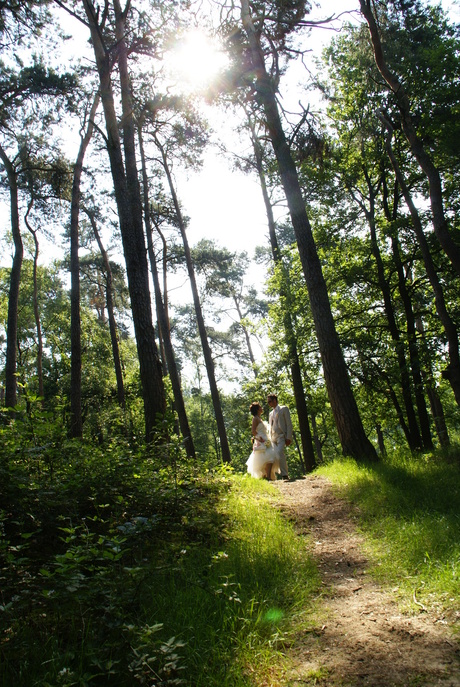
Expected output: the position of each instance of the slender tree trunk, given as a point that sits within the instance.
(413, 348)
(415, 440)
(381, 442)
(110, 312)
(348, 421)
(440, 224)
(399, 411)
(291, 339)
(246, 335)
(165, 299)
(161, 345)
(163, 319)
(299, 452)
(437, 409)
(316, 439)
(417, 375)
(76, 422)
(38, 325)
(209, 363)
(15, 280)
(127, 194)
(452, 372)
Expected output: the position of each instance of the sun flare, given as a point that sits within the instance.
(196, 60)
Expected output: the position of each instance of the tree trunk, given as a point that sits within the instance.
(163, 320)
(319, 448)
(398, 409)
(413, 349)
(246, 335)
(38, 326)
(291, 339)
(110, 312)
(127, 194)
(417, 374)
(347, 419)
(165, 299)
(415, 440)
(440, 224)
(76, 422)
(380, 440)
(452, 373)
(437, 409)
(15, 279)
(209, 363)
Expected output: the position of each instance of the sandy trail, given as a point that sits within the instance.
(364, 639)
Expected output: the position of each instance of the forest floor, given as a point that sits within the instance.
(364, 637)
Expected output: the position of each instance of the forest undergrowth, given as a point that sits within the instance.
(122, 567)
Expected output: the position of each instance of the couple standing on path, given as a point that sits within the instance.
(268, 456)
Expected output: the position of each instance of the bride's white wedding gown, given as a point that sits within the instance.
(262, 454)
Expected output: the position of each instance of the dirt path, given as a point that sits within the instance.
(365, 639)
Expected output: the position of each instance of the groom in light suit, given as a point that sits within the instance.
(280, 425)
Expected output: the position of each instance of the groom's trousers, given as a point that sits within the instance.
(280, 446)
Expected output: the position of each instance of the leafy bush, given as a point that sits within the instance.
(134, 566)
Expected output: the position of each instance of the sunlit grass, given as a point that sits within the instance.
(235, 606)
(409, 511)
(191, 575)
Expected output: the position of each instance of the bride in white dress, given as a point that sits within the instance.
(263, 461)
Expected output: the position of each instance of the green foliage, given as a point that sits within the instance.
(102, 417)
(202, 423)
(31, 83)
(409, 512)
(54, 309)
(123, 567)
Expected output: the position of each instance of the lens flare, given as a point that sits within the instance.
(196, 60)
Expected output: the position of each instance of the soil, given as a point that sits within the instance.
(365, 637)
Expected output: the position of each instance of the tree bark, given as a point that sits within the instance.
(452, 372)
(413, 349)
(291, 339)
(440, 224)
(76, 422)
(110, 312)
(437, 409)
(316, 439)
(162, 318)
(15, 279)
(38, 326)
(415, 440)
(246, 335)
(209, 363)
(165, 299)
(127, 194)
(353, 439)
(381, 442)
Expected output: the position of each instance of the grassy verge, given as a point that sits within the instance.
(234, 604)
(117, 570)
(409, 511)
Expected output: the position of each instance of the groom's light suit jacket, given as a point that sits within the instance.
(282, 425)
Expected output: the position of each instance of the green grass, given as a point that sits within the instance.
(409, 512)
(121, 569)
(233, 605)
